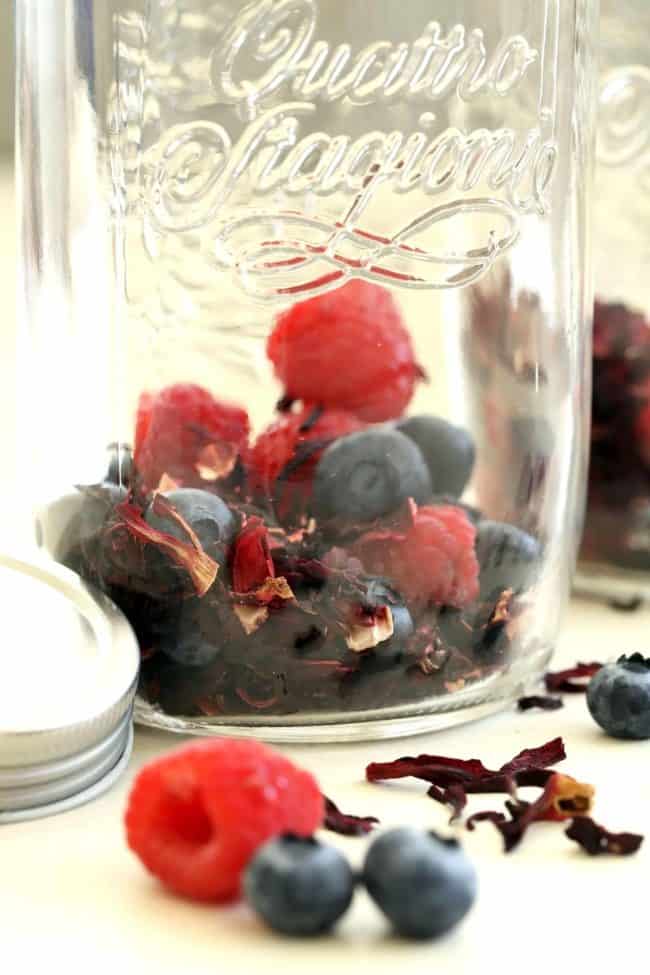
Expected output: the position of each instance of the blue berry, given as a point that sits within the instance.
(189, 646)
(378, 593)
(369, 474)
(298, 885)
(448, 451)
(424, 884)
(618, 697)
(206, 514)
(509, 558)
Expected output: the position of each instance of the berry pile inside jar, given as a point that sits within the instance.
(617, 528)
(326, 564)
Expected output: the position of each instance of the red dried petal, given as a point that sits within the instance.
(453, 779)
(487, 816)
(595, 839)
(274, 589)
(189, 555)
(562, 798)
(562, 680)
(549, 754)
(430, 768)
(345, 824)
(541, 701)
(252, 564)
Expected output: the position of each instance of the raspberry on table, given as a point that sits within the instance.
(432, 560)
(283, 459)
(187, 434)
(196, 816)
(348, 349)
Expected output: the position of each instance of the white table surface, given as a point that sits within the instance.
(72, 896)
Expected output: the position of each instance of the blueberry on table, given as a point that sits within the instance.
(369, 474)
(424, 884)
(448, 451)
(208, 516)
(509, 558)
(618, 697)
(298, 885)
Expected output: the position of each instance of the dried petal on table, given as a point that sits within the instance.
(596, 840)
(574, 680)
(346, 824)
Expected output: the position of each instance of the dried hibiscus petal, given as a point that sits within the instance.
(574, 680)
(562, 798)
(272, 590)
(595, 839)
(541, 757)
(252, 564)
(542, 701)
(346, 824)
(189, 555)
(453, 779)
(487, 816)
(366, 630)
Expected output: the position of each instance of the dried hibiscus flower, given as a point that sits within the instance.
(346, 824)
(251, 558)
(453, 779)
(541, 701)
(572, 681)
(189, 555)
(595, 839)
(562, 798)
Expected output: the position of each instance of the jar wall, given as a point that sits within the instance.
(615, 557)
(258, 240)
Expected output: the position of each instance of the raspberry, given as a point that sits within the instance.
(431, 561)
(196, 816)
(347, 349)
(184, 432)
(284, 457)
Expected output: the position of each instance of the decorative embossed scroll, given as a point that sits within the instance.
(251, 175)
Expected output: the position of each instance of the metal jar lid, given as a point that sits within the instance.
(68, 675)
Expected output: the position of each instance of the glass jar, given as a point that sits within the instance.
(615, 556)
(305, 286)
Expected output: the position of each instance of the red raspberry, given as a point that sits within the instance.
(431, 561)
(184, 432)
(290, 448)
(195, 817)
(348, 349)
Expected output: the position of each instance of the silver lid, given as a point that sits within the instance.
(68, 674)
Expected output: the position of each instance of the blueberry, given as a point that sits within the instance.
(378, 593)
(369, 474)
(448, 451)
(120, 465)
(618, 697)
(298, 885)
(508, 557)
(207, 515)
(424, 884)
(189, 646)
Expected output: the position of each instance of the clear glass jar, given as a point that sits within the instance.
(615, 555)
(308, 324)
